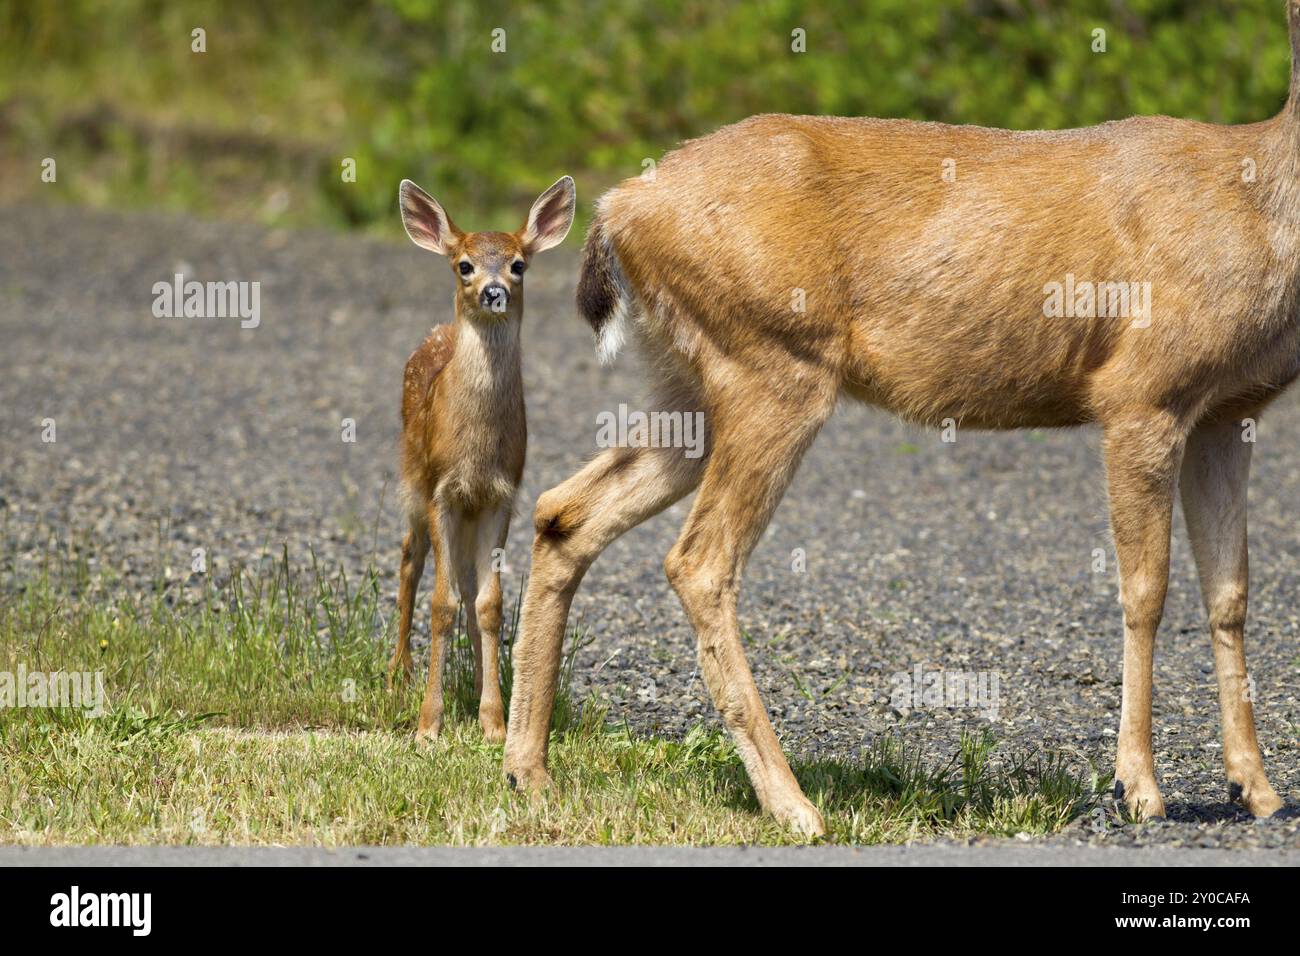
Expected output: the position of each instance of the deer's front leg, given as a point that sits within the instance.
(1143, 453)
(1215, 474)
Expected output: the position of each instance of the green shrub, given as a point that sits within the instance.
(413, 87)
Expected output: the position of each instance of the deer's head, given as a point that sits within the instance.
(488, 266)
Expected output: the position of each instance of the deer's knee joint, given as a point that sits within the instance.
(677, 568)
(487, 610)
(554, 519)
(1141, 617)
(1227, 610)
(557, 564)
(1143, 600)
(699, 587)
(413, 550)
(443, 614)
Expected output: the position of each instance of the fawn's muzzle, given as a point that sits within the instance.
(494, 297)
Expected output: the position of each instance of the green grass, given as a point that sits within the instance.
(254, 712)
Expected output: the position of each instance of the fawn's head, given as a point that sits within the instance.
(488, 266)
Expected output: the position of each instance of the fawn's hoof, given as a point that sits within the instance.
(494, 731)
(492, 718)
(428, 730)
(400, 672)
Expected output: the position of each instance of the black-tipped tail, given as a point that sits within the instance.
(602, 291)
(598, 289)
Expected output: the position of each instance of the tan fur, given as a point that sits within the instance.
(925, 295)
(464, 436)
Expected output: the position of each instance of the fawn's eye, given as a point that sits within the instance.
(466, 267)
(517, 267)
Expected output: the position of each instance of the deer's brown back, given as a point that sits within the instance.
(914, 259)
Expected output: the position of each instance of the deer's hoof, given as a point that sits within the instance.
(1256, 796)
(529, 779)
(1141, 797)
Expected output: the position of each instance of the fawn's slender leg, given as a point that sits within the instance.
(575, 521)
(492, 530)
(1142, 460)
(478, 584)
(755, 454)
(463, 544)
(441, 622)
(414, 548)
(1215, 475)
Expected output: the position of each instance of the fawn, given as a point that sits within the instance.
(773, 266)
(464, 436)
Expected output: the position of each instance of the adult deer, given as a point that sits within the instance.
(930, 261)
(463, 438)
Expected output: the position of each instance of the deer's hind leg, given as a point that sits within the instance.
(414, 549)
(574, 522)
(1215, 474)
(441, 622)
(758, 441)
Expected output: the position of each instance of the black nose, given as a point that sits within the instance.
(495, 297)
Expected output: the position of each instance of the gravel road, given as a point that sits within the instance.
(974, 556)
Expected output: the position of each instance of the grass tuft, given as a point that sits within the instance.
(254, 711)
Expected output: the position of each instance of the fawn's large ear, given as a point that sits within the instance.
(551, 216)
(426, 222)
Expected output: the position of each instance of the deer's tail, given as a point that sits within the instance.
(605, 298)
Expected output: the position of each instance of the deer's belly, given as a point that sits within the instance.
(993, 379)
(470, 489)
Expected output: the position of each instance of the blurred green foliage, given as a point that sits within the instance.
(258, 125)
